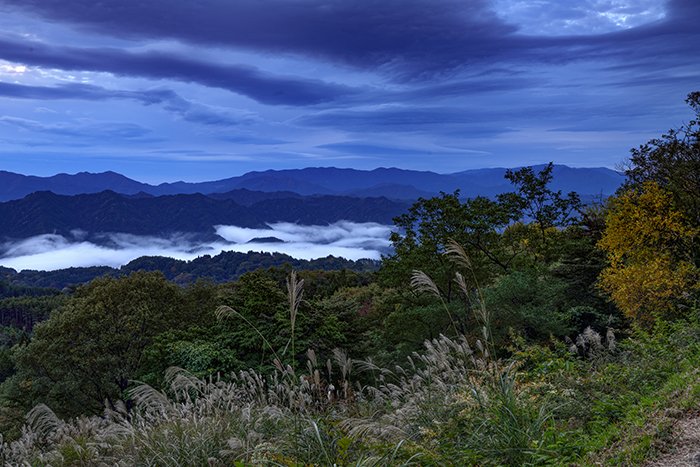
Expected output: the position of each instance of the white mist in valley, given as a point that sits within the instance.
(50, 252)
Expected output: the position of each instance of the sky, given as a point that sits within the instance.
(209, 89)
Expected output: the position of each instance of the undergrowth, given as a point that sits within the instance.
(460, 401)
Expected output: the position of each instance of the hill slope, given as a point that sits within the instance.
(45, 212)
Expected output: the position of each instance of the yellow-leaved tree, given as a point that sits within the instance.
(649, 243)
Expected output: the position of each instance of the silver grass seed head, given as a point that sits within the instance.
(421, 282)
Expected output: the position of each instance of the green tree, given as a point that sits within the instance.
(261, 319)
(420, 238)
(423, 233)
(492, 232)
(534, 199)
(90, 348)
(203, 350)
(531, 304)
(672, 162)
(651, 236)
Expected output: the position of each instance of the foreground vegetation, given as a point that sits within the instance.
(451, 405)
(522, 330)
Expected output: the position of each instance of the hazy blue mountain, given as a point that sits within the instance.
(406, 184)
(319, 210)
(258, 182)
(345, 180)
(391, 191)
(16, 186)
(585, 181)
(249, 197)
(589, 181)
(389, 182)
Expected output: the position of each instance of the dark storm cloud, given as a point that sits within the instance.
(405, 119)
(660, 81)
(33, 142)
(363, 148)
(67, 91)
(361, 32)
(475, 121)
(476, 85)
(93, 131)
(254, 140)
(248, 81)
(170, 100)
(476, 74)
(409, 39)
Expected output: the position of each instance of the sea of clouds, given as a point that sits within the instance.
(49, 252)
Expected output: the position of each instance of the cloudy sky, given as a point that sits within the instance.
(208, 89)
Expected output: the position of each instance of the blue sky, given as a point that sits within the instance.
(206, 89)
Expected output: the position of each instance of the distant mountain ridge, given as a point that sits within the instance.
(16, 186)
(109, 212)
(392, 183)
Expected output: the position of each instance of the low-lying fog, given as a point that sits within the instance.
(345, 239)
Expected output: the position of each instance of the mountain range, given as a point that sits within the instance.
(46, 212)
(392, 183)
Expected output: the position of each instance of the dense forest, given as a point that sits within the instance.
(224, 267)
(523, 329)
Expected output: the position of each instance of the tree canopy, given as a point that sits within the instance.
(652, 227)
(92, 346)
(672, 161)
(495, 233)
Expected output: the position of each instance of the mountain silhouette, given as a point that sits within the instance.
(391, 183)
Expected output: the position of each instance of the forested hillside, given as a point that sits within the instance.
(522, 329)
(224, 267)
(45, 212)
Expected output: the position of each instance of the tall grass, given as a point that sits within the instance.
(507, 425)
(280, 419)
(295, 292)
(452, 403)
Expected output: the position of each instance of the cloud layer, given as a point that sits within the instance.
(343, 239)
(252, 85)
(242, 79)
(405, 37)
(168, 99)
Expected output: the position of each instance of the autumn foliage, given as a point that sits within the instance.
(650, 249)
